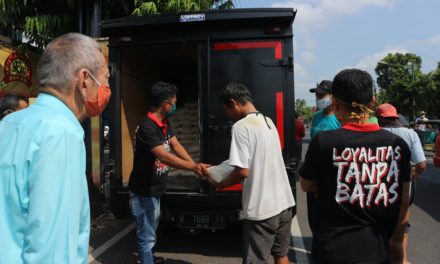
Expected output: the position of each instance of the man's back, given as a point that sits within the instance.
(360, 171)
(256, 146)
(412, 139)
(43, 188)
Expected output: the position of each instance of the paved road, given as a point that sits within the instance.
(114, 241)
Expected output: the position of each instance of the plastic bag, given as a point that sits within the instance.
(220, 172)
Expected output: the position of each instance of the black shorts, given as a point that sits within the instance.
(264, 238)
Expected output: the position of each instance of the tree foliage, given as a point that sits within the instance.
(434, 97)
(145, 7)
(39, 20)
(403, 84)
(303, 110)
(43, 20)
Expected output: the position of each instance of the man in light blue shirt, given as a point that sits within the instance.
(44, 203)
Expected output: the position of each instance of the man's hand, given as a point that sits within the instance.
(212, 182)
(201, 169)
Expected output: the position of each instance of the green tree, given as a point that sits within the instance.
(39, 20)
(403, 84)
(43, 20)
(145, 7)
(434, 97)
(303, 110)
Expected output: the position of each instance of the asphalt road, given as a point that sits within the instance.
(114, 241)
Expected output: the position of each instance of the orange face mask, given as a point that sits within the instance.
(95, 107)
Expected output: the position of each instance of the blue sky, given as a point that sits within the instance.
(331, 35)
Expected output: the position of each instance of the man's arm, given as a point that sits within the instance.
(308, 185)
(172, 160)
(419, 168)
(179, 149)
(396, 241)
(236, 176)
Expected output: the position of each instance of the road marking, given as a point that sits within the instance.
(298, 243)
(95, 253)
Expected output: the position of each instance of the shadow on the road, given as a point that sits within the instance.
(427, 195)
(222, 243)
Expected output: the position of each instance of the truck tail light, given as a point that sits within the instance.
(235, 187)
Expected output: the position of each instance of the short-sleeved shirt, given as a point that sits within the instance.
(149, 174)
(44, 200)
(360, 171)
(322, 122)
(412, 139)
(256, 146)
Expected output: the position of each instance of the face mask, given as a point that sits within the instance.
(323, 103)
(170, 113)
(95, 107)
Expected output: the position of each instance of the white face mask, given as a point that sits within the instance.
(323, 103)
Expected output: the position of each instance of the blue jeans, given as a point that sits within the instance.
(146, 211)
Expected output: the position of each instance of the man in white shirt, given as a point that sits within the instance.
(258, 164)
(421, 118)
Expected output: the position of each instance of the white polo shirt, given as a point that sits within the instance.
(255, 146)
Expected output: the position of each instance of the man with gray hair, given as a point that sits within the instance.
(44, 203)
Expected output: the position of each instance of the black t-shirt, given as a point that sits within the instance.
(360, 170)
(149, 174)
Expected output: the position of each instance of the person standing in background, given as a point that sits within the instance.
(389, 120)
(300, 133)
(11, 103)
(324, 119)
(44, 200)
(360, 174)
(421, 118)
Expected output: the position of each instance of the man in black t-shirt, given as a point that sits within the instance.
(152, 157)
(360, 175)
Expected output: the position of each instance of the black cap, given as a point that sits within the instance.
(325, 87)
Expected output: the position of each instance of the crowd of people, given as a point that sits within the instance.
(357, 171)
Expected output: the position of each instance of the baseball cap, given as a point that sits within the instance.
(386, 110)
(324, 87)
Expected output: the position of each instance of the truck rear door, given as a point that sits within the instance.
(265, 67)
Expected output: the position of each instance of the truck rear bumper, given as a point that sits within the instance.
(201, 211)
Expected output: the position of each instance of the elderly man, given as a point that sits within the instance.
(44, 203)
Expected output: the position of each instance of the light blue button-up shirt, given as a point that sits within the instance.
(44, 202)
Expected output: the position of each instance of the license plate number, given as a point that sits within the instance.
(202, 221)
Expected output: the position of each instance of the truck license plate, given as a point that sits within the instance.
(201, 221)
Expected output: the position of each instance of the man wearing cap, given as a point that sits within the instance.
(389, 120)
(422, 117)
(324, 119)
(360, 174)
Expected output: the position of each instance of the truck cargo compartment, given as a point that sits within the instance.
(176, 64)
